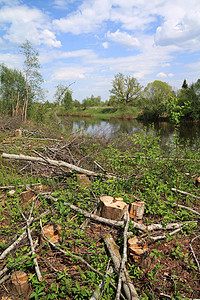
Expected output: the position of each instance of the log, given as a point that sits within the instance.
(127, 285)
(56, 163)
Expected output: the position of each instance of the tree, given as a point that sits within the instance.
(12, 90)
(32, 75)
(126, 90)
(156, 95)
(184, 85)
(63, 96)
(188, 98)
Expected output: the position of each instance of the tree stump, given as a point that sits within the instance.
(112, 208)
(83, 180)
(137, 210)
(138, 248)
(197, 183)
(18, 133)
(19, 283)
(52, 233)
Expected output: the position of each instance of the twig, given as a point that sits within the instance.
(37, 269)
(124, 259)
(160, 237)
(185, 193)
(184, 207)
(7, 187)
(193, 251)
(11, 247)
(54, 163)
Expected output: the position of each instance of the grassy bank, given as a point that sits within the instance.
(102, 112)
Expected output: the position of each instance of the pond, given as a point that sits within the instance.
(188, 131)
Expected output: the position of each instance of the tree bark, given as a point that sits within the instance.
(59, 163)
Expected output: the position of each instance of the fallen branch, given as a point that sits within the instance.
(161, 237)
(184, 207)
(124, 259)
(11, 247)
(194, 253)
(56, 163)
(128, 287)
(185, 193)
(37, 269)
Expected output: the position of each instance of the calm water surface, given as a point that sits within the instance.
(188, 131)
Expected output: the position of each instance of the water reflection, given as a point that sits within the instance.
(111, 128)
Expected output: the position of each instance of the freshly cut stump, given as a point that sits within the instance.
(138, 248)
(112, 208)
(19, 283)
(137, 210)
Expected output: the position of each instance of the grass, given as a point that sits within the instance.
(143, 169)
(103, 112)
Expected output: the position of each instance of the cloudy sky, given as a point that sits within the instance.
(89, 41)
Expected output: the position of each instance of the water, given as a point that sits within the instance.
(188, 131)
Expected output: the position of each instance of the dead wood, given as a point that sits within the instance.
(184, 207)
(185, 193)
(195, 258)
(161, 237)
(124, 259)
(128, 287)
(54, 163)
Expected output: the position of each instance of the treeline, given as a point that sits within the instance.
(21, 94)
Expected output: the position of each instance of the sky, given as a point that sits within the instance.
(87, 42)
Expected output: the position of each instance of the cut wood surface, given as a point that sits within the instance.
(111, 208)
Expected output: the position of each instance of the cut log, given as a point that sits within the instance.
(137, 210)
(138, 248)
(111, 208)
(20, 285)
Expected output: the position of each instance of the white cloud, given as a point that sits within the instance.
(69, 73)
(123, 38)
(24, 23)
(105, 45)
(162, 75)
(170, 75)
(87, 19)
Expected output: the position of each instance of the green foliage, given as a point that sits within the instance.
(126, 90)
(156, 95)
(12, 90)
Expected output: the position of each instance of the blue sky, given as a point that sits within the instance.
(88, 42)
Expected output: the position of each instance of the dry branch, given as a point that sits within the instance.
(56, 163)
(184, 207)
(185, 193)
(198, 265)
(124, 259)
(128, 287)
